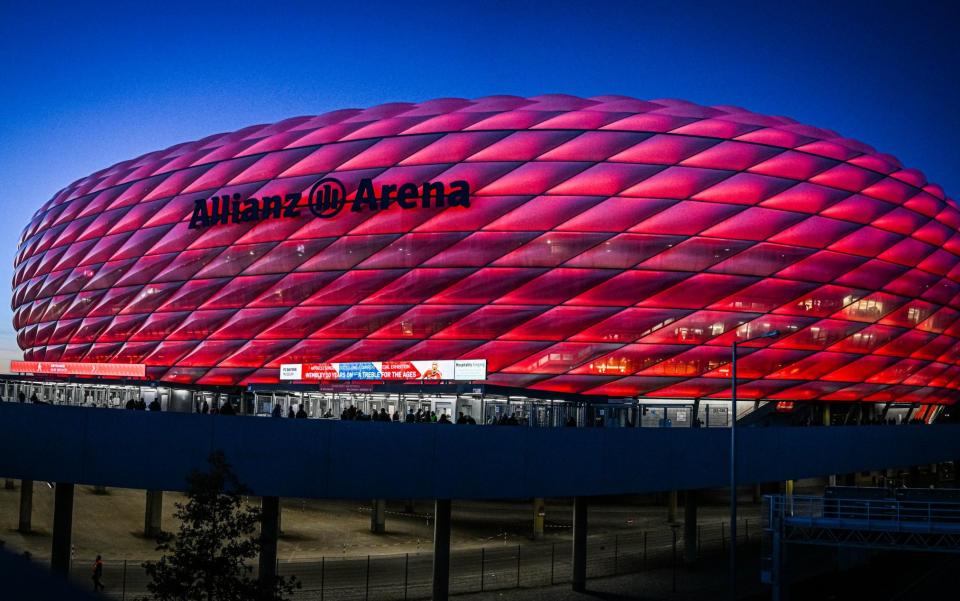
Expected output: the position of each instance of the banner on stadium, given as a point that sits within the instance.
(427, 371)
(58, 368)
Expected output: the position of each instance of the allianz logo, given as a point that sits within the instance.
(327, 199)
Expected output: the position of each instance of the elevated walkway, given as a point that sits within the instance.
(920, 520)
(333, 459)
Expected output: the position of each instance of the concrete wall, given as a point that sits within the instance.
(323, 458)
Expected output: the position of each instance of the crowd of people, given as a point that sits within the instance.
(422, 416)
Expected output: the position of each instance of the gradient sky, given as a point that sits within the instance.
(86, 85)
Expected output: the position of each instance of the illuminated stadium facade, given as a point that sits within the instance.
(607, 247)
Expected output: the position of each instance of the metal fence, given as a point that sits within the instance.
(408, 576)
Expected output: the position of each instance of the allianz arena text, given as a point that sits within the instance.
(603, 246)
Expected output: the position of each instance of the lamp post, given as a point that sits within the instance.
(733, 458)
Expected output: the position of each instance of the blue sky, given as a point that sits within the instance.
(90, 84)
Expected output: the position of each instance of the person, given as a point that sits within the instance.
(154, 405)
(383, 415)
(277, 410)
(205, 407)
(571, 422)
(98, 574)
(301, 414)
(290, 413)
(443, 419)
(433, 373)
(22, 397)
(460, 418)
(142, 405)
(131, 404)
(433, 417)
(396, 416)
(411, 418)
(228, 409)
(34, 398)
(471, 421)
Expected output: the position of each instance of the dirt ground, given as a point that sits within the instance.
(111, 524)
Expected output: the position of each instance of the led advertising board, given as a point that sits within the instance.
(126, 370)
(427, 371)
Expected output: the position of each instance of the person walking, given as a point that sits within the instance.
(98, 574)
(131, 404)
(154, 405)
(142, 405)
(301, 414)
(290, 413)
(277, 410)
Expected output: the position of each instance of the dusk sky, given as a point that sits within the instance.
(89, 84)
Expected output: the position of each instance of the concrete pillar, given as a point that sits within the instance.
(690, 541)
(62, 528)
(408, 506)
(269, 532)
(26, 506)
(153, 514)
(8, 483)
(832, 478)
(672, 507)
(539, 515)
(579, 544)
(378, 516)
(441, 550)
(788, 488)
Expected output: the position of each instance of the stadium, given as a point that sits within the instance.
(547, 257)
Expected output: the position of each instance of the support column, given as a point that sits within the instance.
(153, 514)
(26, 506)
(579, 544)
(378, 516)
(62, 528)
(832, 478)
(441, 550)
(269, 532)
(8, 483)
(672, 507)
(539, 515)
(408, 506)
(690, 542)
